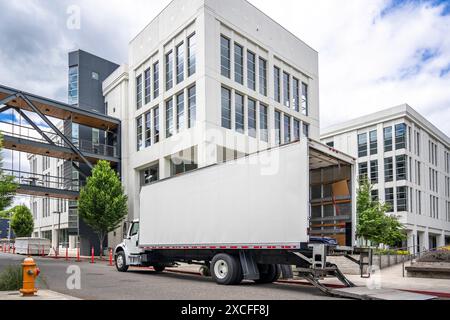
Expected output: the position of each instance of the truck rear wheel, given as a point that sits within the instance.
(226, 269)
(159, 268)
(121, 262)
(268, 273)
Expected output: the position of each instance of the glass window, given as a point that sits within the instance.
(263, 123)
(156, 80)
(150, 175)
(400, 136)
(373, 142)
(192, 105)
(180, 111)
(147, 81)
(305, 130)
(180, 62)
(296, 94)
(169, 118)
(287, 129)
(374, 171)
(388, 139)
(156, 124)
(389, 198)
(262, 76)
(73, 85)
(363, 171)
(251, 70)
(296, 130)
(362, 145)
(226, 108)
(95, 136)
(192, 60)
(169, 70)
(252, 118)
(148, 129)
(277, 92)
(139, 91)
(239, 116)
(401, 166)
(139, 133)
(375, 195)
(238, 63)
(225, 57)
(402, 199)
(330, 144)
(388, 169)
(286, 89)
(76, 134)
(277, 127)
(305, 99)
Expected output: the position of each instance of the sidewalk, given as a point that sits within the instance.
(41, 295)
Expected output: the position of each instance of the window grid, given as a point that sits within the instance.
(251, 70)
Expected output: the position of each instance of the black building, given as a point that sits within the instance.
(86, 75)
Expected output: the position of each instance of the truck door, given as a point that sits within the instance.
(133, 238)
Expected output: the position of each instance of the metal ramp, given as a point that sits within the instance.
(364, 293)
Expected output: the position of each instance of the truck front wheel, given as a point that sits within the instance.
(226, 269)
(121, 263)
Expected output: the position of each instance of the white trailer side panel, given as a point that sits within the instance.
(259, 200)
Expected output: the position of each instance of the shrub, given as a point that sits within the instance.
(11, 279)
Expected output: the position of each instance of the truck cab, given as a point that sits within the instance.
(128, 253)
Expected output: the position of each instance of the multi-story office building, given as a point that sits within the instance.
(86, 75)
(407, 160)
(207, 81)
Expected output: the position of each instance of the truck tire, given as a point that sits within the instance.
(121, 264)
(268, 273)
(226, 269)
(159, 268)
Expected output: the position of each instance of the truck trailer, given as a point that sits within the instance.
(252, 218)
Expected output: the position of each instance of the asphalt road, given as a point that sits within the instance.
(102, 282)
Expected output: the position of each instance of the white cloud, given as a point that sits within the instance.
(363, 55)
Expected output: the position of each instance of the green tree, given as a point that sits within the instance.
(8, 187)
(373, 222)
(5, 214)
(22, 221)
(103, 204)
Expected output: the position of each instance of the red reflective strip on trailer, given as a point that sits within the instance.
(219, 247)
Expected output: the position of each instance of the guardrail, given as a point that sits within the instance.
(44, 181)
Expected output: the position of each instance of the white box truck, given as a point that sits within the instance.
(249, 218)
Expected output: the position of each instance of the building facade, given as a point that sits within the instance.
(52, 216)
(209, 81)
(407, 160)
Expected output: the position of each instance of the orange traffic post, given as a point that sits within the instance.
(110, 257)
(67, 253)
(92, 255)
(14, 249)
(78, 255)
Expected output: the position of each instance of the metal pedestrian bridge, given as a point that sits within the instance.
(41, 136)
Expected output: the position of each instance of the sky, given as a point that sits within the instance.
(372, 54)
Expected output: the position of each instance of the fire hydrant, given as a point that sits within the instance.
(30, 272)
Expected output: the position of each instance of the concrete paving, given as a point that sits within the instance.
(40, 295)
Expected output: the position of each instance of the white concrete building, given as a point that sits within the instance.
(206, 81)
(407, 160)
